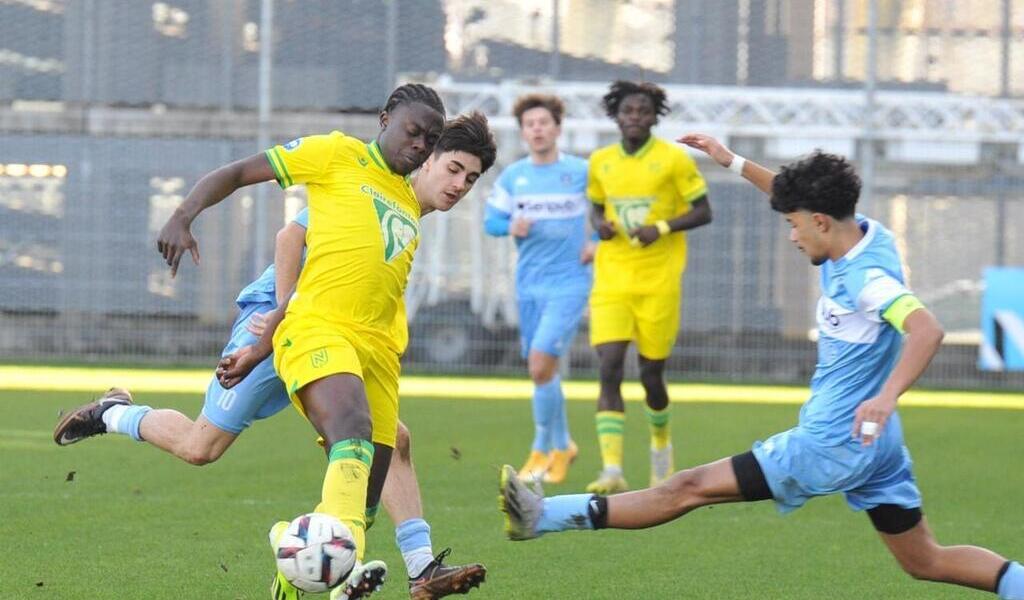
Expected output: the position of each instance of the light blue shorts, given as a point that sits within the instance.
(549, 324)
(798, 467)
(260, 395)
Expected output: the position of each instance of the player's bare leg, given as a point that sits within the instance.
(652, 377)
(197, 442)
(429, 577)
(528, 514)
(922, 557)
(337, 407)
(610, 418)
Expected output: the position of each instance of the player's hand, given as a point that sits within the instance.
(605, 230)
(175, 239)
(257, 324)
(588, 252)
(233, 368)
(520, 227)
(645, 235)
(708, 145)
(870, 418)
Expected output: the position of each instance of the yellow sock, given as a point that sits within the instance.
(610, 426)
(344, 493)
(661, 435)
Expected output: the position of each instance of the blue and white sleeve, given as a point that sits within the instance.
(302, 219)
(879, 291)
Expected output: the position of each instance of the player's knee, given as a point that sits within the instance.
(201, 455)
(540, 373)
(611, 371)
(652, 373)
(685, 490)
(403, 443)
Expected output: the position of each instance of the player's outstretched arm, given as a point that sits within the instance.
(752, 172)
(175, 238)
(924, 336)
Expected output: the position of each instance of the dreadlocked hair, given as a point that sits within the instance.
(620, 89)
(414, 92)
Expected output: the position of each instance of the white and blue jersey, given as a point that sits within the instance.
(857, 350)
(552, 284)
(553, 198)
(261, 394)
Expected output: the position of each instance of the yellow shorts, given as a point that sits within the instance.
(652, 321)
(303, 355)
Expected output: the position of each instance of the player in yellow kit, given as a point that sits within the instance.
(646, 193)
(337, 348)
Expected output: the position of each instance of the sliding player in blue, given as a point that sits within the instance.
(541, 201)
(875, 340)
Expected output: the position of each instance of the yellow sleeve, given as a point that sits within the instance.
(303, 160)
(900, 309)
(688, 180)
(595, 191)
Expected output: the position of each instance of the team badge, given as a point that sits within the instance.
(292, 144)
(397, 228)
(632, 212)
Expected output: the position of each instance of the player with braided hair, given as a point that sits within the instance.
(646, 193)
(414, 92)
(337, 346)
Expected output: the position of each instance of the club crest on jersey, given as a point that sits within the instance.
(396, 226)
(632, 211)
(292, 144)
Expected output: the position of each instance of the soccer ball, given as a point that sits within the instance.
(316, 552)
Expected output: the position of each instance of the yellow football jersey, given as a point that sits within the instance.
(657, 182)
(362, 235)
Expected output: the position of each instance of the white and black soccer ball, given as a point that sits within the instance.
(316, 552)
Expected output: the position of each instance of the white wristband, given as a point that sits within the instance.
(736, 166)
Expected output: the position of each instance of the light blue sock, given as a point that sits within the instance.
(562, 513)
(125, 419)
(1011, 584)
(413, 539)
(545, 399)
(560, 424)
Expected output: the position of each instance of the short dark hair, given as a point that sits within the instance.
(414, 92)
(530, 101)
(469, 133)
(821, 183)
(620, 89)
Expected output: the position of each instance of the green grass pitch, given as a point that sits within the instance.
(135, 523)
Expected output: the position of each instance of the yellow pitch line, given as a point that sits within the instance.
(90, 380)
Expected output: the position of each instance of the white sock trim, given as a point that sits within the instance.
(417, 560)
(113, 416)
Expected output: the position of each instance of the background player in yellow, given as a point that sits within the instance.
(646, 193)
(338, 349)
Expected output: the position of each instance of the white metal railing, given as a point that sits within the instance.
(775, 112)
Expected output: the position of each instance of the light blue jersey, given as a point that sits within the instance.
(261, 394)
(264, 289)
(553, 198)
(857, 350)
